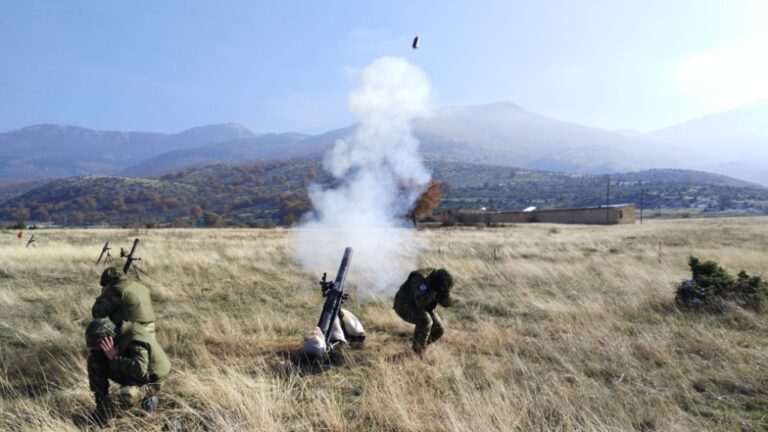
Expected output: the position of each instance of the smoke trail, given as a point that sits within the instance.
(381, 176)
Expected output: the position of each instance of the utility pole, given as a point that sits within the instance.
(642, 202)
(607, 199)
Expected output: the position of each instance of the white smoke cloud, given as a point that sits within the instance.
(381, 175)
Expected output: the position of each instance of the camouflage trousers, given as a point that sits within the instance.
(429, 326)
(130, 392)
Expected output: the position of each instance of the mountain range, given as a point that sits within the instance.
(45, 151)
(731, 143)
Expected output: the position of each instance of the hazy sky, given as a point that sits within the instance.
(279, 66)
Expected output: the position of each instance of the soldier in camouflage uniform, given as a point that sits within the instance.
(416, 300)
(128, 355)
(124, 299)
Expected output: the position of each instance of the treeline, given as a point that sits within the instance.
(269, 194)
(221, 195)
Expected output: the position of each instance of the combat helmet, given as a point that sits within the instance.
(440, 280)
(109, 276)
(97, 330)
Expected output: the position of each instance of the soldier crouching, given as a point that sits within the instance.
(416, 300)
(128, 355)
(124, 299)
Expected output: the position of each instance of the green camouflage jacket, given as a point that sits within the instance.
(139, 356)
(416, 291)
(127, 300)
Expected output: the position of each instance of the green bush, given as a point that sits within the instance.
(712, 288)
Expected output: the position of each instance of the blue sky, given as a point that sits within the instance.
(288, 66)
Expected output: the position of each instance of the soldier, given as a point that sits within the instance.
(124, 299)
(128, 355)
(416, 300)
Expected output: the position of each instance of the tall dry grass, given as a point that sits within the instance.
(560, 328)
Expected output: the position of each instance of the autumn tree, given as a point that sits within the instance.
(211, 219)
(427, 201)
(77, 218)
(180, 222)
(118, 203)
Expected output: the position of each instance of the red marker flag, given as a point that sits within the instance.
(20, 234)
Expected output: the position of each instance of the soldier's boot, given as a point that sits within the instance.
(418, 349)
(421, 333)
(149, 404)
(104, 411)
(437, 329)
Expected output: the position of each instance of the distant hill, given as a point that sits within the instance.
(505, 134)
(683, 176)
(590, 160)
(504, 188)
(10, 190)
(45, 151)
(262, 148)
(733, 143)
(264, 194)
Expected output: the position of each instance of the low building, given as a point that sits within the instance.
(614, 214)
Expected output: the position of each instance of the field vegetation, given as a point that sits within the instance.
(560, 327)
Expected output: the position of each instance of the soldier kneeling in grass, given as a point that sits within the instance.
(416, 300)
(128, 355)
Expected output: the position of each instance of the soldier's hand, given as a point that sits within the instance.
(108, 347)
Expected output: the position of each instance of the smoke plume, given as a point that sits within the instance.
(380, 174)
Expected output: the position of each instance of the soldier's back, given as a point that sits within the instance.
(136, 304)
(405, 298)
(131, 332)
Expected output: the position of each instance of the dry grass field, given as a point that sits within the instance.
(560, 328)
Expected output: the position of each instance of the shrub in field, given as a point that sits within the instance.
(712, 287)
(753, 289)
